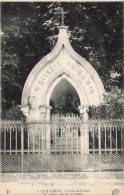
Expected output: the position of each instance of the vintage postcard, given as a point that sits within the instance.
(62, 127)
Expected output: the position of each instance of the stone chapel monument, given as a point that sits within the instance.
(62, 82)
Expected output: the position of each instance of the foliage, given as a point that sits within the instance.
(29, 32)
(14, 113)
(96, 34)
(113, 108)
(9, 78)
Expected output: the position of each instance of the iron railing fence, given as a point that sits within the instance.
(59, 145)
(102, 137)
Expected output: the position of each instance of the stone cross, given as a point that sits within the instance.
(62, 12)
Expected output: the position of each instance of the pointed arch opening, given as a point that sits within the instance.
(64, 99)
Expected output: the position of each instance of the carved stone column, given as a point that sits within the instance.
(45, 116)
(34, 109)
(48, 138)
(84, 139)
(48, 129)
(84, 129)
(48, 108)
(45, 112)
(42, 112)
(83, 109)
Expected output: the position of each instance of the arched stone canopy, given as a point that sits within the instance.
(59, 97)
(63, 63)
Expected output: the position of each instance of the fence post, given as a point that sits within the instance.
(82, 138)
(99, 135)
(111, 128)
(47, 137)
(4, 129)
(22, 146)
(10, 143)
(122, 138)
(86, 137)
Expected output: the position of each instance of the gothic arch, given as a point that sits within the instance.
(83, 98)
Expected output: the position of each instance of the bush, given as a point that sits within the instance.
(13, 113)
(112, 109)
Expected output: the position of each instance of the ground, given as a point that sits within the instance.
(63, 184)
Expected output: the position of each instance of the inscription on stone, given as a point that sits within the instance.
(76, 68)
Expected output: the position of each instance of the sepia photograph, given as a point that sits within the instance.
(62, 98)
